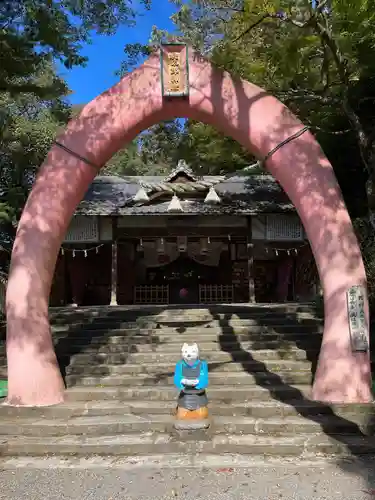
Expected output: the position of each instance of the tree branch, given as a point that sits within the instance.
(302, 95)
(341, 66)
(332, 132)
(321, 5)
(343, 73)
(259, 21)
(28, 88)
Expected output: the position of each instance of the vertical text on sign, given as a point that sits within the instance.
(174, 66)
(357, 319)
(174, 70)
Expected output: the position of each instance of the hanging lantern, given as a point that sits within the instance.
(62, 251)
(212, 197)
(205, 242)
(161, 246)
(182, 244)
(175, 205)
(74, 253)
(85, 253)
(141, 196)
(140, 248)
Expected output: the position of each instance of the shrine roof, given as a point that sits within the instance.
(242, 194)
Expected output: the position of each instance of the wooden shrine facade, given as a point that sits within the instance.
(184, 240)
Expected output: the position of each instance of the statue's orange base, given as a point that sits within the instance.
(192, 419)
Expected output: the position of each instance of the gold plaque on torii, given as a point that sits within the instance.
(174, 67)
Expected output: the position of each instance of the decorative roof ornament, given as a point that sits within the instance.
(175, 205)
(212, 197)
(182, 168)
(141, 196)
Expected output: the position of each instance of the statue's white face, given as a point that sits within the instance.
(190, 353)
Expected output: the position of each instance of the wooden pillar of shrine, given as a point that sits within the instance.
(250, 259)
(114, 263)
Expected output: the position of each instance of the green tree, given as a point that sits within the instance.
(154, 152)
(28, 126)
(209, 152)
(127, 161)
(33, 34)
(32, 31)
(159, 145)
(317, 60)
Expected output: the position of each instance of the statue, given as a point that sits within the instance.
(191, 378)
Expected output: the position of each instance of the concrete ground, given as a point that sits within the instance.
(126, 481)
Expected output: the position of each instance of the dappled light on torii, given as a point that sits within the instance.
(177, 82)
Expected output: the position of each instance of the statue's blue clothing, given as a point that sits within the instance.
(199, 370)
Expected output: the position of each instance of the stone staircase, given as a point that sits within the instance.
(118, 365)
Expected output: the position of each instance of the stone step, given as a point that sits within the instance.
(172, 357)
(255, 409)
(66, 342)
(248, 365)
(204, 336)
(162, 443)
(130, 424)
(211, 347)
(178, 326)
(223, 379)
(87, 331)
(143, 346)
(188, 311)
(116, 354)
(160, 393)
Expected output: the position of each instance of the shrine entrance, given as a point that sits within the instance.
(177, 82)
(183, 278)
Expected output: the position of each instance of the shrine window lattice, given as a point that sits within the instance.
(83, 229)
(215, 294)
(151, 294)
(281, 228)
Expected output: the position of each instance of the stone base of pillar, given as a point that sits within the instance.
(38, 385)
(113, 301)
(34, 376)
(342, 379)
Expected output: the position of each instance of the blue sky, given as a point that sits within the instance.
(106, 53)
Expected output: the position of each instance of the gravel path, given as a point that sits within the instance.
(269, 482)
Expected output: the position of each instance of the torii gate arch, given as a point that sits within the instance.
(256, 120)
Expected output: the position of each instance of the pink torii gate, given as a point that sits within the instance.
(239, 109)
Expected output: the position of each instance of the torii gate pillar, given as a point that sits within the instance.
(184, 85)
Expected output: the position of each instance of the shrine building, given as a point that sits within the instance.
(184, 239)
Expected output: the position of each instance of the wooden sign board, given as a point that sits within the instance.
(358, 327)
(174, 66)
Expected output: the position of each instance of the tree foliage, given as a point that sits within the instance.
(317, 57)
(33, 31)
(155, 152)
(34, 35)
(209, 152)
(28, 126)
